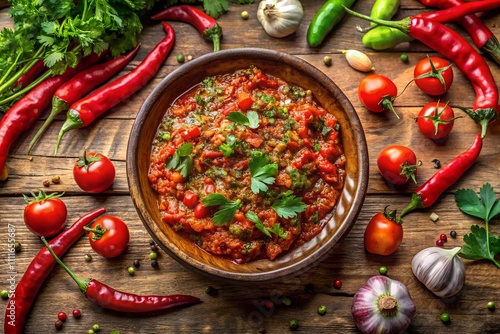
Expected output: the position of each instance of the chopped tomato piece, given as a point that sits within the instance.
(253, 139)
(211, 154)
(190, 133)
(228, 108)
(245, 101)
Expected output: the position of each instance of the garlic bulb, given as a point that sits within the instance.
(440, 270)
(280, 18)
(382, 305)
(358, 60)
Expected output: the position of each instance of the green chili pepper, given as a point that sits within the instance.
(382, 38)
(325, 20)
(384, 10)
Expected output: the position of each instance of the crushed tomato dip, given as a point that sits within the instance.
(247, 166)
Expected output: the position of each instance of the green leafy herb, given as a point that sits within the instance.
(214, 8)
(251, 119)
(181, 160)
(262, 172)
(288, 206)
(227, 208)
(229, 146)
(480, 244)
(276, 229)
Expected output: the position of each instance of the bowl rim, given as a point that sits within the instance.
(322, 251)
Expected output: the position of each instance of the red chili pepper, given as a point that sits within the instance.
(30, 75)
(206, 25)
(26, 110)
(112, 299)
(430, 30)
(481, 35)
(425, 195)
(81, 84)
(88, 109)
(38, 270)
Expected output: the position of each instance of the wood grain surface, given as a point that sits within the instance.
(237, 308)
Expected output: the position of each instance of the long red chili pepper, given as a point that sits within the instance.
(206, 25)
(88, 109)
(481, 35)
(39, 269)
(112, 299)
(26, 110)
(81, 84)
(30, 75)
(429, 29)
(425, 195)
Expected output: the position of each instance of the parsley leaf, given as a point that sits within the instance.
(288, 206)
(227, 208)
(480, 244)
(276, 229)
(181, 160)
(229, 146)
(262, 172)
(251, 119)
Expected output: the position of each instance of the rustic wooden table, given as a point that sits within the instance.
(236, 308)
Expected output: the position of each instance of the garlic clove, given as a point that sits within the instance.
(440, 270)
(359, 60)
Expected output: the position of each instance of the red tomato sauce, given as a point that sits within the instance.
(247, 166)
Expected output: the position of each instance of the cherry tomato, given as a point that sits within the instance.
(398, 164)
(377, 92)
(201, 211)
(384, 233)
(94, 172)
(435, 120)
(108, 236)
(45, 215)
(433, 75)
(190, 199)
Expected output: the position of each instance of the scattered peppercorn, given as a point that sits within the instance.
(77, 313)
(46, 183)
(309, 288)
(151, 242)
(439, 243)
(88, 258)
(58, 324)
(153, 256)
(56, 179)
(131, 271)
(437, 163)
(90, 331)
(491, 306)
(62, 316)
(322, 310)
(287, 301)
(137, 264)
(294, 325)
(268, 304)
(445, 317)
(245, 15)
(382, 270)
(96, 328)
(181, 58)
(154, 263)
(453, 234)
(17, 246)
(404, 57)
(4, 294)
(327, 60)
(443, 237)
(189, 58)
(337, 284)
(154, 248)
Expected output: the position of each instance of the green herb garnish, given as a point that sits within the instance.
(251, 119)
(227, 208)
(229, 146)
(181, 160)
(288, 206)
(479, 244)
(262, 172)
(276, 229)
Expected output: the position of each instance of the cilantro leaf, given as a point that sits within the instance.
(276, 229)
(288, 206)
(181, 160)
(227, 208)
(262, 172)
(251, 119)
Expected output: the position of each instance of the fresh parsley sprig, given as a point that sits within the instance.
(288, 205)
(251, 119)
(480, 244)
(263, 173)
(276, 229)
(181, 160)
(227, 208)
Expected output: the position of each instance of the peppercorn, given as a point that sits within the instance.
(491, 306)
(337, 284)
(437, 163)
(404, 57)
(453, 234)
(17, 246)
(46, 183)
(294, 324)
(445, 317)
(322, 310)
(287, 301)
(439, 243)
(58, 324)
(62, 316)
(189, 58)
(131, 271)
(4, 294)
(88, 258)
(154, 248)
(56, 179)
(151, 242)
(382, 270)
(153, 256)
(137, 264)
(181, 58)
(90, 331)
(327, 60)
(154, 263)
(245, 15)
(77, 313)
(443, 237)
(96, 328)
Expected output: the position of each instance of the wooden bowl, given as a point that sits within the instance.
(294, 71)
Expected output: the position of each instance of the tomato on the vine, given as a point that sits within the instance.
(45, 215)
(433, 75)
(94, 172)
(435, 120)
(377, 92)
(398, 164)
(108, 236)
(384, 233)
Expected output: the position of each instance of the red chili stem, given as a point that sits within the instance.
(81, 84)
(427, 194)
(26, 111)
(206, 25)
(86, 110)
(39, 269)
(112, 299)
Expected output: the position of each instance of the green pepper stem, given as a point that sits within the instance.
(415, 203)
(213, 34)
(81, 282)
(73, 121)
(386, 104)
(492, 48)
(402, 25)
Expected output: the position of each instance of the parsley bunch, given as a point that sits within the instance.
(214, 8)
(480, 244)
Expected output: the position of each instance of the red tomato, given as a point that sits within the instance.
(94, 172)
(190, 133)
(201, 211)
(108, 236)
(384, 233)
(190, 199)
(377, 92)
(398, 164)
(45, 215)
(435, 120)
(436, 75)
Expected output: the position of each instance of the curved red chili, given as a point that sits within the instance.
(81, 84)
(85, 111)
(206, 25)
(429, 29)
(26, 110)
(39, 269)
(112, 299)
(425, 195)
(481, 35)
